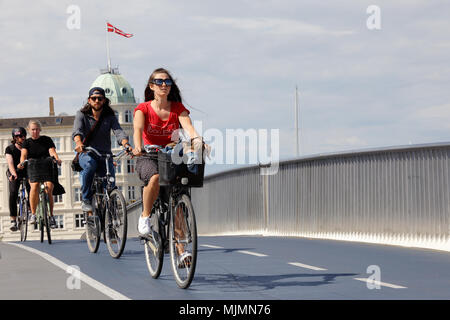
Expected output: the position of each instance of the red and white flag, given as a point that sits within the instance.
(111, 28)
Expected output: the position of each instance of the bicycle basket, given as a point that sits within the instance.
(167, 169)
(171, 173)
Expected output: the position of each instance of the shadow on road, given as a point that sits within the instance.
(231, 282)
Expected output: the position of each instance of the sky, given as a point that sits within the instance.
(237, 64)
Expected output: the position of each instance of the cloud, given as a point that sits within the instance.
(273, 26)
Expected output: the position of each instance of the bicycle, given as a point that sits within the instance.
(24, 210)
(109, 216)
(43, 208)
(174, 227)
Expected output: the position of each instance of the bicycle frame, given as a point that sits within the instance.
(106, 219)
(102, 197)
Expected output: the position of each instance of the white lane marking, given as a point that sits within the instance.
(306, 266)
(211, 246)
(371, 281)
(83, 277)
(253, 253)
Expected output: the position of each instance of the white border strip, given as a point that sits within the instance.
(301, 265)
(375, 282)
(113, 294)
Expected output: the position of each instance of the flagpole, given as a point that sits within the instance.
(107, 48)
(296, 123)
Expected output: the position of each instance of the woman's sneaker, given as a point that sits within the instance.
(13, 226)
(32, 219)
(144, 225)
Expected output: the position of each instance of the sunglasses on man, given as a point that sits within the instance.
(159, 82)
(19, 136)
(100, 99)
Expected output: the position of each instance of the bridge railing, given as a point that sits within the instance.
(397, 195)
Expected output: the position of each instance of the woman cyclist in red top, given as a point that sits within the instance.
(155, 121)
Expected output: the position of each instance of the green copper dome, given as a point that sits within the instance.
(117, 89)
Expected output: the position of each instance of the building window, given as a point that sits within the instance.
(59, 221)
(79, 221)
(114, 143)
(57, 142)
(59, 171)
(116, 113)
(77, 194)
(58, 198)
(131, 193)
(130, 166)
(118, 167)
(128, 116)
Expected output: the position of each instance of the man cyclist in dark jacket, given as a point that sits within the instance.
(96, 109)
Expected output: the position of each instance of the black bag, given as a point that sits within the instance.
(76, 164)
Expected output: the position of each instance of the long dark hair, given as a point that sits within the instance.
(87, 109)
(174, 94)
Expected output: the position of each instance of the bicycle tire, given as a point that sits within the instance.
(183, 273)
(116, 224)
(92, 227)
(154, 251)
(46, 215)
(23, 220)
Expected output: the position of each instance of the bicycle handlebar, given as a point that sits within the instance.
(22, 163)
(118, 155)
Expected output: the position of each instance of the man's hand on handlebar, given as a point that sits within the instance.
(79, 147)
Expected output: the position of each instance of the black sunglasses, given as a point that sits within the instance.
(19, 136)
(97, 98)
(159, 82)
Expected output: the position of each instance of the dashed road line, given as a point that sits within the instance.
(211, 246)
(385, 284)
(253, 253)
(306, 266)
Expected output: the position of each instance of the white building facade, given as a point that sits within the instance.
(67, 209)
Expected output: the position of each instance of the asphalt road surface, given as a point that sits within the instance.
(229, 268)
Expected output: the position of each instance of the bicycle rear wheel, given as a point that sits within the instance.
(183, 241)
(23, 220)
(116, 224)
(154, 251)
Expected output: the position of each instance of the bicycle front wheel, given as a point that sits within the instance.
(116, 224)
(154, 251)
(183, 241)
(92, 225)
(23, 220)
(46, 215)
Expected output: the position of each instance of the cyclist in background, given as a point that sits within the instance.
(41, 149)
(96, 109)
(12, 154)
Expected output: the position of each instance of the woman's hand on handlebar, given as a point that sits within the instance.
(21, 165)
(136, 152)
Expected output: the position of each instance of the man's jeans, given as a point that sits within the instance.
(91, 164)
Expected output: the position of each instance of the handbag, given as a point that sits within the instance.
(76, 161)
